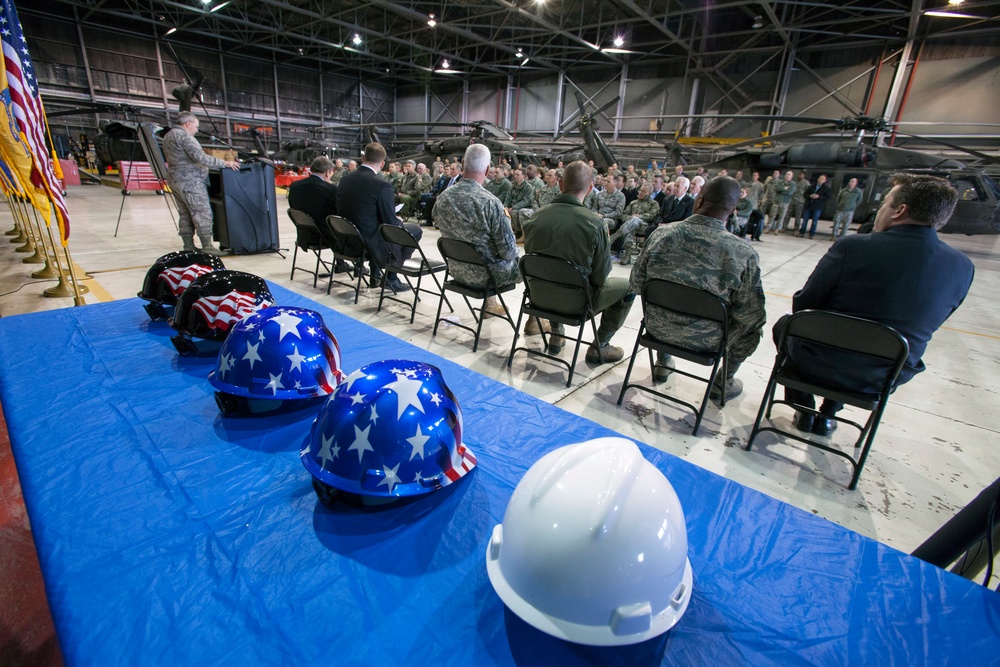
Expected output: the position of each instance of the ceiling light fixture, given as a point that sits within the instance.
(758, 22)
(356, 39)
(172, 31)
(430, 20)
(206, 2)
(619, 42)
(218, 7)
(519, 54)
(445, 64)
(955, 2)
(952, 15)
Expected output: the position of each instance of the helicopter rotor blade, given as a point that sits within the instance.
(606, 106)
(989, 159)
(774, 137)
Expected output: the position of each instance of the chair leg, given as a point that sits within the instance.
(872, 427)
(357, 287)
(316, 271)
(437, 318)
(295, 253)
(631, 363)
(725, 378)
(381, 297)
(416, 297)
(704, 401)
(764, 406)
(479, 325)
(517, 331)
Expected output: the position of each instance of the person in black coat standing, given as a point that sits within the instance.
(816, 196)
(366, 199)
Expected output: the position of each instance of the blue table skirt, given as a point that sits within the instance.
(169, 535)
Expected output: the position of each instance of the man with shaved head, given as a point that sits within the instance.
(569, 230)
(700, 253)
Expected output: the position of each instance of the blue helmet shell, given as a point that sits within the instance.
(392, 429)
(279, 353)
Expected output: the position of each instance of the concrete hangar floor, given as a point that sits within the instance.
(934, 452)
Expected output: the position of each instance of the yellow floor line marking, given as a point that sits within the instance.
(95, 287)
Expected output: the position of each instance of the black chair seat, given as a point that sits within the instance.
(455, 251)
(309, 238)
(554, 290)
(416, 266)
(348, 246)
(690, 302)
(872, 344)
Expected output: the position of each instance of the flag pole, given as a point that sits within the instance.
(47, 271)
(17, 229)
(64, 288)
(29, 240)
(40, 251)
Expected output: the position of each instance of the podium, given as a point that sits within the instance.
(244, 208)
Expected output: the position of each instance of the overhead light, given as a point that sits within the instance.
(619, 42)
(301, 51)
(525, 62)
(445, 64)
(218, 7)
(430, 20)
(952, 15)
(356, 39)
(172, 31)
(519, 54)
(955, 2)
(758, 22)
(206, 2)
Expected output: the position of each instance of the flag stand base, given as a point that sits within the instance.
(38, 258)
(47, 272)
(63, 289)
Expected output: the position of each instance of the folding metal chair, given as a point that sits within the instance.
(309, 238)
(872, 343)
(456, 251)
(417, 266)
(554, 290)
(691, 302)
(348, 246)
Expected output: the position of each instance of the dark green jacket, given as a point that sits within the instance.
(567, 229)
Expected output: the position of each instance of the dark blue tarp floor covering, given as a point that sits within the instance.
(171, 536)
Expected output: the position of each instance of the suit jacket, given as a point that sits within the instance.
(367, 200)
(904, 277)
(675, 209)
(316, 197)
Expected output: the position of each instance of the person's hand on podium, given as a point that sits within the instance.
(233, 164)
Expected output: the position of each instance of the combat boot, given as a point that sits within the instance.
(188, 243)
(208, 248)
(626, 255)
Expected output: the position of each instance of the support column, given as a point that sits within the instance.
(620, 108)
(277, 103)
(465, 100)
(225, 93)
(508, 107)
(786, 78)
(86, 61)
(159, 70)
(898, 82)
(693, 104)
(560, 93)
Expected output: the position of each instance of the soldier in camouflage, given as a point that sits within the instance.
(611, 202)
(534, 180)
(520, 196)
(501, 184)
(637, 214)
(418, 185)
(699, 252)
(542, 196)
(467, 212)
(798, 202)
(338, 171)
(188, 171)
(847, 200)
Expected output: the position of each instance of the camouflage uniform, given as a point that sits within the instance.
(637, 214)
(767, 198)
(798, 203)
(542, 197)
(610, 205)
(536, 183)
(590, 201)
(466, 211)
(520, 196)
(754, 192)
(337, 175)
(783, 193)
(418, 185)
(847, 201)
(699, 252)
(189, 167)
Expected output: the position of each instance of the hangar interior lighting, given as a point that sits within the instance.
(356, 39)
(619, 42)
(430, 20)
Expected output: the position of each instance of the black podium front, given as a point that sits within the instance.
(244, 207)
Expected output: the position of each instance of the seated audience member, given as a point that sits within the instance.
(637, 215)
(468, 212)
(902, 275)
(568, 230)
(317, 196)
(366, 199)
(744, 207)
(699, 252)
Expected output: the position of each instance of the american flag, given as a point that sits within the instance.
(178, 278)
(26, 135)
(221, 311)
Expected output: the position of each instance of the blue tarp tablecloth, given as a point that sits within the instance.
(170, 535)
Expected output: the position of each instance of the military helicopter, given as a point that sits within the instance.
(593, 147)
(978, 210)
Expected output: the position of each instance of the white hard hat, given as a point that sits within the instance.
(593, 546)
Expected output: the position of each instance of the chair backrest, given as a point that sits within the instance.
(845, 332)
(399, 236)
(556, 285)
(347, 238)
(307, 232)
(460, 251)
(684, 300)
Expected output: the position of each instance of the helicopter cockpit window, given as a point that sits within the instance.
(967, 190)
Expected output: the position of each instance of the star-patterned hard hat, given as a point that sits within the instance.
(212, 303)
(391, 429)
(172, 273)
(279, 353)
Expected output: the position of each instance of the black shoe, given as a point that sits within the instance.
(426, 223)
(824, 426)
(395, 284)
(803, 421)
(341, 267)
